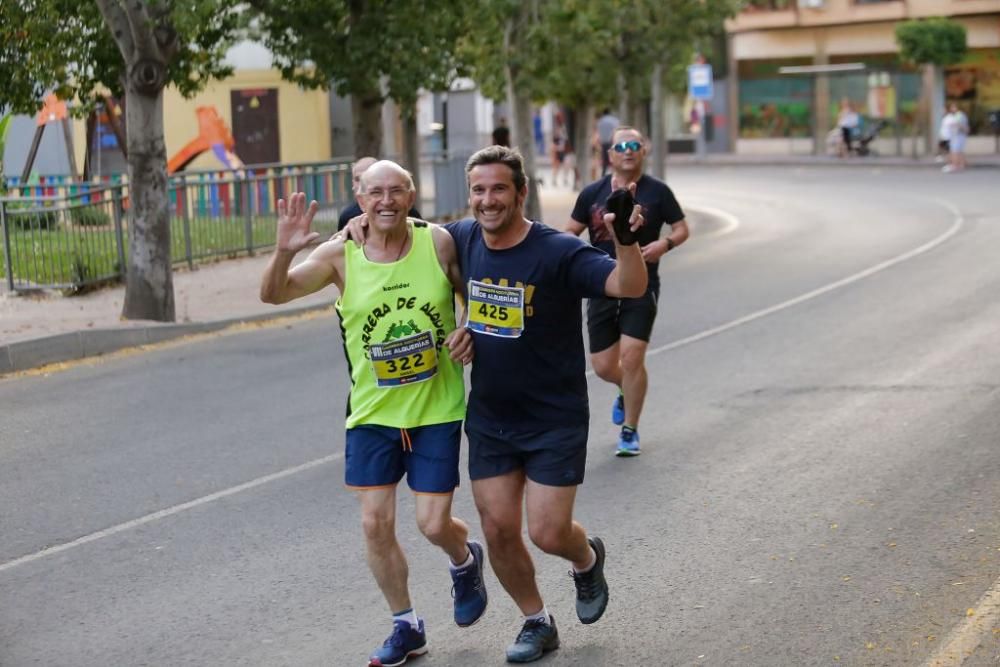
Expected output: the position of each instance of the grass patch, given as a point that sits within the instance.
(80, 254)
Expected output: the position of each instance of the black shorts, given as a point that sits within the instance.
(608, 318)
(553, 457)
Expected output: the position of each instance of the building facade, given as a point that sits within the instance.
(792, 62)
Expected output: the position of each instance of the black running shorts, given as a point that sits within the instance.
(608, 318)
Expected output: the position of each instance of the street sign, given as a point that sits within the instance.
(700, 81)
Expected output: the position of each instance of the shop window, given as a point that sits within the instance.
(774, 108)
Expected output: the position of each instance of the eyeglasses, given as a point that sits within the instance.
(623, 146)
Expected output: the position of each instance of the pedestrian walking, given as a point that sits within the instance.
(956, 124)
(407, 400)
(606, 125)
(619, 328)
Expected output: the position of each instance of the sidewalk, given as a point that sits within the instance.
(48, 328)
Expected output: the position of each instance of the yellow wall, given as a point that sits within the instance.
(303, 116)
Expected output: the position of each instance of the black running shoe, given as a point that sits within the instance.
(535, 639)
(591, 587)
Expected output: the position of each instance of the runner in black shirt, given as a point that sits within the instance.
(619, 329)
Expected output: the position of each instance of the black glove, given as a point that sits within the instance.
(621, 204)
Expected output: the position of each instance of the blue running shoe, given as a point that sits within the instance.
(469, 589)
(628, 443)
(618, 411)
(535, 639)
(404, 643)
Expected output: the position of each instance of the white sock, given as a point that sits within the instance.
(465, 563)
(590, 567)
(542, 615)
(407, 615)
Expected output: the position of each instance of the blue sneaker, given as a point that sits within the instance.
(535, 639)
(404, 643)
(618, 411)
(628, 443)
(469, 589)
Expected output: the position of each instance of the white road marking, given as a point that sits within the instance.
(956, 225)
(204, 500)
(964, 639)
(730, 221)
(170, 511)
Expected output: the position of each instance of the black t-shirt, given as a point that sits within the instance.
(659, 207)
(354, 210)
(501, 136)
(536, 380)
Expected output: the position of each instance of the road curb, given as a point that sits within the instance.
(29, 354)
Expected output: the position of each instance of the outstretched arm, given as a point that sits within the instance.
(459, 341)
(280, 283)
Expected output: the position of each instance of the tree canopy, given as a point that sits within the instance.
(64, 46)
(934, 41)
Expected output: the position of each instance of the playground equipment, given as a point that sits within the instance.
(212, 135)
(53, 109)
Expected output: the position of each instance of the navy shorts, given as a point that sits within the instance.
(608, 318)
(378, 456)
(553, 457)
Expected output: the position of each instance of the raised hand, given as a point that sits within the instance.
(294, 223)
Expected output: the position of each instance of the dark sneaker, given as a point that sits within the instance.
(618, 411)
(404, 643)
(535, 639)
(591, 587)
(628, 443)
(469, 589)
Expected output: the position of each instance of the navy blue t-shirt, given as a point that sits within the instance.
(659, 207)
(537, 380)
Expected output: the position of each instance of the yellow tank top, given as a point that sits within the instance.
(394, 318)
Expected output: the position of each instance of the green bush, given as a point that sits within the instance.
(89, 217)
(21, 217)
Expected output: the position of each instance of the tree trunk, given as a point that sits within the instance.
(581, 141)
(411, 143)
(149, 290)
(657, 153)
(521, 130)
(367, 112)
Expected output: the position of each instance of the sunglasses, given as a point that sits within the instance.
(623, 146)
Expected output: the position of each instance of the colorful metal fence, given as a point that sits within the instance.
(61, 234)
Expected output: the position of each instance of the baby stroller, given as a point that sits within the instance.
(870, 133)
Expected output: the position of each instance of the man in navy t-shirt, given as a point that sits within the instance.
(619, 329)
(528, 416)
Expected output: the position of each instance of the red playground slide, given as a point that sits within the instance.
(213, 135)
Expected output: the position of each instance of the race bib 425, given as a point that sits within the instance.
(495, 310)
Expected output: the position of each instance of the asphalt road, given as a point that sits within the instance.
(819, 483)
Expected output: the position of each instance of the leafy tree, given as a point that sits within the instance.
(588, 53)
(133, 49)
(930, 44)
(371, 50)
(4, 124)
(934, 41)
